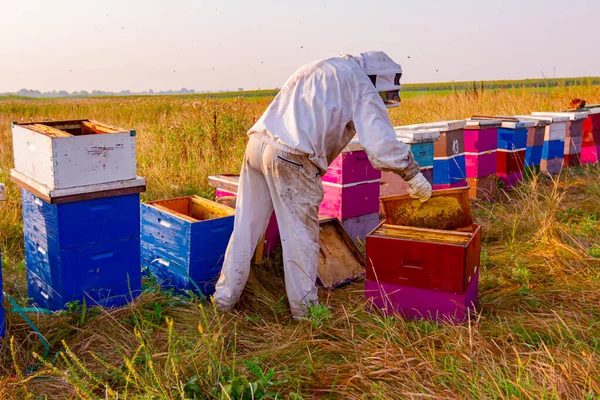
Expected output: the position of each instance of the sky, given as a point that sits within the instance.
(138, 45)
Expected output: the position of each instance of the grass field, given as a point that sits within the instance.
(537, 333)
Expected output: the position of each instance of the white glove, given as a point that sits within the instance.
(420, 188)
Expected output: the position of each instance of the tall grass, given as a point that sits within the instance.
(535, 336)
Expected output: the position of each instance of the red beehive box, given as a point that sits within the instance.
(423, 258)
(405, 250)
(510, 161)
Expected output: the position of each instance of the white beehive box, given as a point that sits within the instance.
(67, 154)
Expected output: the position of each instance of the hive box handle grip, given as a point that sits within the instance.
(104, 254)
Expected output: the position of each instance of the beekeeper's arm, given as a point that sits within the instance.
(377, 136)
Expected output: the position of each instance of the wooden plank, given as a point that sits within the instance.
(48, 130)
(226, 182)
(340, 261)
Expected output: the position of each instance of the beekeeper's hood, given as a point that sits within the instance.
(383, 72)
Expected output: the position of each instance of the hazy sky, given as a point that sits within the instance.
(208, 45)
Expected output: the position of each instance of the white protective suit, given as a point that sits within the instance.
(317, 112)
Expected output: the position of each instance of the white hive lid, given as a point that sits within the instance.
(531, 118)
(551, 118)
(573, 116)
(417, 136)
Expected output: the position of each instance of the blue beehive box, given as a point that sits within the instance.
(80, 249)
(533, 156)
(449, 170)
(184, 242)
(512, 139)
(553, 149)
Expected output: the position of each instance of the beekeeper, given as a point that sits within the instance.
(318, 111)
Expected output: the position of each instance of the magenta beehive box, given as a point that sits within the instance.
(350, 200)
(589, 154)
(351, 167)
(417, 303)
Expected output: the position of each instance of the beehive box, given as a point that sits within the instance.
(184, 242)
(433, 259)
(481, 142)
(556, 128)
(406, 257)
(484, 188)
(590, 143)
(68, 154)
(82, 249)
(351, 167)
(415, 303)
(449, 170)
(343, 201)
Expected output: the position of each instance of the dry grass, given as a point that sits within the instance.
(536, 335)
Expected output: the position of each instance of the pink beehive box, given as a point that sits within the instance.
(418, 303)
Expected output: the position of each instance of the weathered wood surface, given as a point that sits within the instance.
(63, 160)
(88, 192)
(340, 261)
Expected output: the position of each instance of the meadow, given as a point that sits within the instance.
(536, 333)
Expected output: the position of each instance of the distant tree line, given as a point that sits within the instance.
(410, 87)
(503, 84)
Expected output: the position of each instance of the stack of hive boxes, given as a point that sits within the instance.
(351, 191)
(81, 211)
(535, 145)
(419, 268)
(573, 136)
(512, 146)
(421, 144)
(449, 168)
(553, 150)
(481, 144)
(184, 242)
(590, 143)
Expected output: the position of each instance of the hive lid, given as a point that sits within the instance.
(417, 136)
(573, 116)
(340, 261)
(536, 121)
(78, 193)
(447, 209)
(483, 123)
(505, 122)
(552, 118)
(442, 126)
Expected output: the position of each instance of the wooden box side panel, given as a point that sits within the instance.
(433, 266)
(32, 154)
(93, 159)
